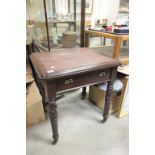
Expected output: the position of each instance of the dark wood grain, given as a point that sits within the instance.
(82, 79)
(64, 62)
(83, 5)
(72, 68)
(109, 95)
(84, 92)
(50, 89)
(46, 22)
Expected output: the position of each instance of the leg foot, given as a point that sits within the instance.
(55, 140)
(105, 117)
(107, 101)
(53, 118)
(83, 93)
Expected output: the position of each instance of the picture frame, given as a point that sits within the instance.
(89, 6)
(123, 108)
(124, 6)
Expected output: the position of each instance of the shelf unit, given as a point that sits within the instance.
(41, 15)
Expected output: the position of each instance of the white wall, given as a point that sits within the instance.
(59, 8)
(105, 9)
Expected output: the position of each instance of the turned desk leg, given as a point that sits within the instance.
(53, 119)
(50, 90)
(83, 92)
(107, 101)
(109, 94)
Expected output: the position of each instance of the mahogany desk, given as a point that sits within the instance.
(66, 69)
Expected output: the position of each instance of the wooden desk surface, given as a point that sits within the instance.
(117, 38)
(65, 62)
(67, 69)
(107, 35)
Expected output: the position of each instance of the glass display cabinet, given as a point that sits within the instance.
(50, 22)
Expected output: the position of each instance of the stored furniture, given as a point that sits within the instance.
(44, 15)
(118, 39)
(67, 69)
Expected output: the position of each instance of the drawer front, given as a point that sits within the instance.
(82, 79)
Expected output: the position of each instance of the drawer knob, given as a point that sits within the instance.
(102, 74)
(69, 81)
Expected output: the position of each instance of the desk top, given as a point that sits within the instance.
(64, 62)
(108, 34)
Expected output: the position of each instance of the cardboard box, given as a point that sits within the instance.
(124, 69)
(28, 69)
(97, 96)
(123, 108)
(34, 107)
(29, 76)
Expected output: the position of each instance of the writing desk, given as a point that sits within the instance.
(118, 38)
(66, 69)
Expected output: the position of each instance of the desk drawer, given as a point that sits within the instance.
(83, 79)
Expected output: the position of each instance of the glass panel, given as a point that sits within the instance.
(78, 20)
(64, 28)
(36, 28)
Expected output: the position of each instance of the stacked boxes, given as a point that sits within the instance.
(69, 39)
(97, 96)
(34, 106)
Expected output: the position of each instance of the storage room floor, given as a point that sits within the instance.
(80, 131)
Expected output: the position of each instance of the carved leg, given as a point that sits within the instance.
(83, 92)
(53, 118)
(45, 103)
(107, 101)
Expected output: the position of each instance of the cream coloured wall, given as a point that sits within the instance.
(105, 9)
